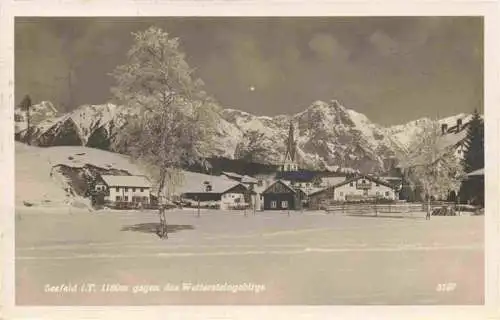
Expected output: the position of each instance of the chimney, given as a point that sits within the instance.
(459, 125)
(444, 128)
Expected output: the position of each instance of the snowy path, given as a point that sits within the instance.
(300, 259)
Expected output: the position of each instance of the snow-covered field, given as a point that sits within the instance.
(304, 258)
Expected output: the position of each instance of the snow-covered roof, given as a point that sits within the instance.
(195, 182)
(126, 181)
(478, 172)
(284, 182)
(346, 181)
(232, 175)
(445, 144)
(451, 139)
(313, 190)
(331, 181)
(248, 179)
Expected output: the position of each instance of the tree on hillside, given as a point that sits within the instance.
(175, 119)
(250, 148)
(473, 158)
(25, 105)
(430, 168)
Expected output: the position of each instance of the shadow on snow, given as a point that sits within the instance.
(154, 227)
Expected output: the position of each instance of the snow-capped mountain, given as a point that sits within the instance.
(88, 125)
(45, 110)
(328, 134)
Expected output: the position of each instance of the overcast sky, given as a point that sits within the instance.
(391, 69)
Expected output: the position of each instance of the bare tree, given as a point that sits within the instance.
(175, 119)
(432, 166)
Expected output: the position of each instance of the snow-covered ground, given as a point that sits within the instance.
(38, 184)
(304, 258)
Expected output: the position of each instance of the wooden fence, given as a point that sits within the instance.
(382, 209)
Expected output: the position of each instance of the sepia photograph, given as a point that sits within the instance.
(320, 161)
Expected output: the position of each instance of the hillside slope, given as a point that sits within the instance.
(60, 176)
(54, 176)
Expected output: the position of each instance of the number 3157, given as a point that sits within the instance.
(446, 287)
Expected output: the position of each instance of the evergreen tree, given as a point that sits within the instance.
(472, 189)
(25, 105)
(474, 144)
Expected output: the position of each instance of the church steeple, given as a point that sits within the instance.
(289, 161)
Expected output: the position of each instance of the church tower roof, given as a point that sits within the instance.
(291, 145)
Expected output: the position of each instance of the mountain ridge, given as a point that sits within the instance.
(329, 135)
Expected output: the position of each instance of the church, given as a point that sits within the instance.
(289, 161)
(282, 195)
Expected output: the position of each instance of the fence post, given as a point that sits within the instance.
(198, 207)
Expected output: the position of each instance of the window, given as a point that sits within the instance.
(133, 189)
(351, 184)
(377, 193)
(126, 189)
(363, 181)
(387, 193)
(125, 198)
(376, 184)
(284, 204)
(117, 189)
(118, 198)
(142, 189)
(274, 204)
(259, 183)
(341, 193)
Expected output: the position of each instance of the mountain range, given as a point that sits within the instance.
(328, 135)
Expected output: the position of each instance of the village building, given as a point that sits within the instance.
(453, 138)
(228, 194)
(478, 176)
(113, 189)
(248, 181)
(360, 188)
(281, 196)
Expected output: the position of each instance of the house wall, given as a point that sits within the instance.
(278, 198)
(230, 199)
(341, 193)
(127, 194)
(202, 196)
(316, 199)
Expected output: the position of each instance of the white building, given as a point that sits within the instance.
(133, 189)
(364, 187)
(355, 189)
